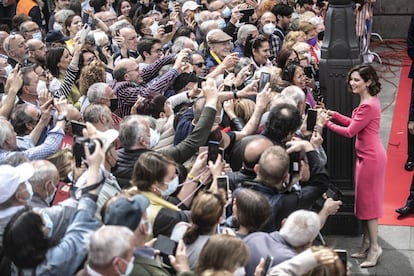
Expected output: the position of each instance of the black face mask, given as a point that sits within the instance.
(320, 35)
(114, 104)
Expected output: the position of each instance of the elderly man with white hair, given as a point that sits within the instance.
(296, 235)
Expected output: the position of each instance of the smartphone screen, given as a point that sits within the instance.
(77, 128)
(308, 71)
(213, 151)
(223, 183)
(311, 119)
(294, 167)
(264, 79)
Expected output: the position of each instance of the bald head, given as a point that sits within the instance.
(45, 178)
(254, 150)
(127, 70)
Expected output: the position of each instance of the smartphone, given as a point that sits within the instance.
(199, 81)
(202, 149)
(246, 15)
(311, 119)
(165, 245)
(294, 167)
(264, 79)
(223, 183)
(267, 265)
(342, 254)
(168, 28)
(213, 151)
(77, 128)
(308, 71)
(84, 32)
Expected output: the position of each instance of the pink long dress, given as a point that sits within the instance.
(371, 158)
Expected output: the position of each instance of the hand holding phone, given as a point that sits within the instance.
(264, 79)
(213, 151)
(168, 28)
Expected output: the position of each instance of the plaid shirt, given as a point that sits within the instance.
(127, 92)
(275, 44)
(50, 146)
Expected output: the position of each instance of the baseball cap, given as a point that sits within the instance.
(11, 178)
(126, 211)
(190, 5)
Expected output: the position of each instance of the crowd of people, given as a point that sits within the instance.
(172, 138)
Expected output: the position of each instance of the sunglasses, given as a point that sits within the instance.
(200, 64)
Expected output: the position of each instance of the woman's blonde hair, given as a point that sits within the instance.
(92, 73)
(334, 269)
(292, 37)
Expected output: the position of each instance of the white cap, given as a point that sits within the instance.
(190, 5)
(107, 137)
(11, 178)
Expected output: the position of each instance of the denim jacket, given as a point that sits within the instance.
(66, 257)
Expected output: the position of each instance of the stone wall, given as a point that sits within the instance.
(391, 18)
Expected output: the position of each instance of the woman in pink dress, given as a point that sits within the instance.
(371, 158)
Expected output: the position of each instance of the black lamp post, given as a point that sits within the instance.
(339, 53)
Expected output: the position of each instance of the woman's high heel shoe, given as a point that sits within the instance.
(372, 262)
(359, 255)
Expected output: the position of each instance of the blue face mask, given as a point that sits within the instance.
(221, 23)
(50, 197)
(29, 190)
(226, 12)
(48, 224)
(172, 187)
(37, 35)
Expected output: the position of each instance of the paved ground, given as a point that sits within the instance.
(397, 241)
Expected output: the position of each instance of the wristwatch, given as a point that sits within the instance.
(61, 117)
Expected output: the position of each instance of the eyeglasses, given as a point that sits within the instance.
(200, 64)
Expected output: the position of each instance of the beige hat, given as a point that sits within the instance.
(217, 36)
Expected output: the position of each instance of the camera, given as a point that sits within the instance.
(79, 144)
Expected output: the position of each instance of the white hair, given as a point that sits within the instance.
(108, 242)
(294, 92)
(301, 227)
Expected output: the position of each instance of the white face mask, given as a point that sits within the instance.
(129, 268)
(41, 85)
(269, 28)
(57, 27)
(37, 35)
(239, 272)
(172, 187)
(154, 137)
(54, 85)
(154, 28)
